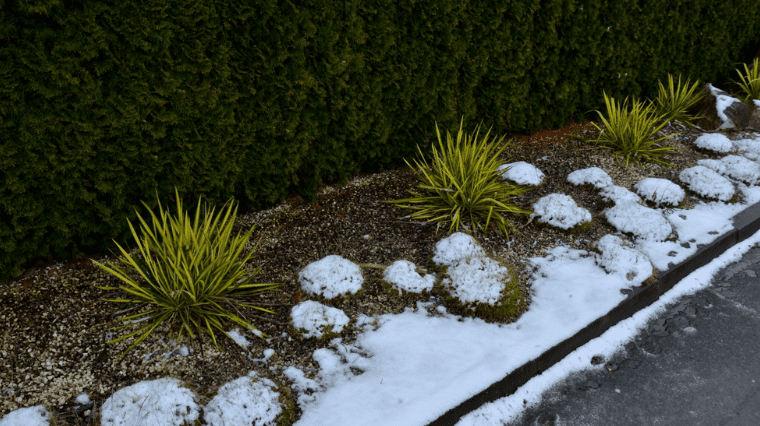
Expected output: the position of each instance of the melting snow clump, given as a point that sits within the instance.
(403, 276)
(660, 191)
(639, 220)
(476, 279)
(523, 173)
(455, 247)
(248, 400)
(618, 194)
(30, 416)
(749, 148)
(616, 258)
(715, 142)
(238, 338)
(735, 167)
(313, 317)
(170, 404)
(593, 175)
(707, 183)
(331, 276)
(561, 211)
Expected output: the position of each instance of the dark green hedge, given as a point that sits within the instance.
(106, 102)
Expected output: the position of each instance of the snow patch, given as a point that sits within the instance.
(560, 210)
(616, 258)
(314, 317)
(660, 191)
(707, 183)
(403, 276)
(593, 175)
(476, 279)
(248, 400)
(455, 247)
(715, 142)
(331, 276)
(735, 167)
(153, 402)
(641, 221)
(521, 172)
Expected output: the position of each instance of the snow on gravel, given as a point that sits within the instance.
(522, 173)
(592, 176)
(660, 191)
(707, 183)
(561, 211)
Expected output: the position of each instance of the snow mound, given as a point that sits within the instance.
(331, 276)
(476, 279)
(30, 416)
(561, 211)
(593, 175)
(735, 167)
(169, 404)
(455, 247)
(616, 258)
(314, 317)
(707, 183)
(244, 401)
(749, 148)
(716, 142)
(618, 194)
(522, 173)
(641, 221)
(660, 191)
(403, 276)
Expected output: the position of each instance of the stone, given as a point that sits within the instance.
(721, 111)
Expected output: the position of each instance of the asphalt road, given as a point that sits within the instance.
(696, 364)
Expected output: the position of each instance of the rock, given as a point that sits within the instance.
(720, 110)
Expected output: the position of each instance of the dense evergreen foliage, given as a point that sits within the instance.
(106, 102)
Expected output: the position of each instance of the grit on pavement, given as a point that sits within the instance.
(695, 364)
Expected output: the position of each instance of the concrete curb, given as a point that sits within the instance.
(745, 224)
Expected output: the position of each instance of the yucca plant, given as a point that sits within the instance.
(629, 134)
(750, 84)
(195, 276)
(462, 181)
(672, 104)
